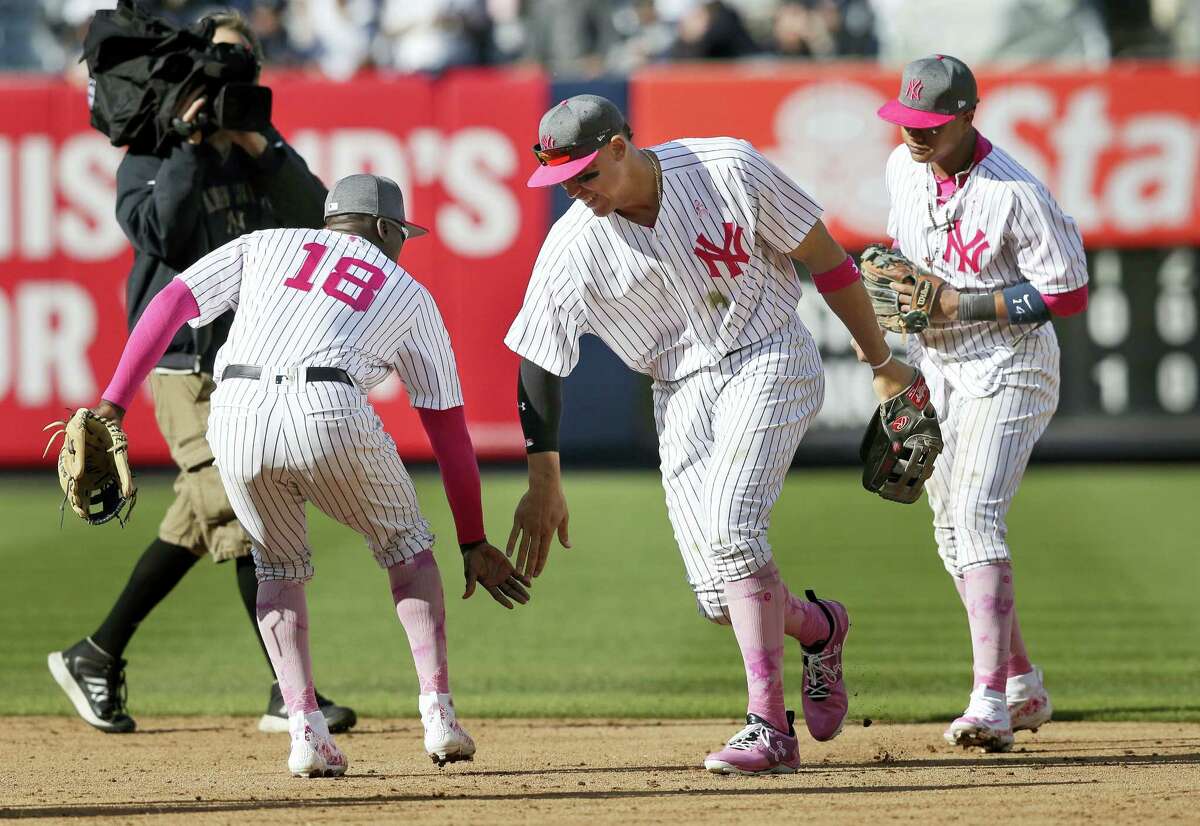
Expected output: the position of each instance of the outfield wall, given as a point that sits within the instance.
(1120, 150)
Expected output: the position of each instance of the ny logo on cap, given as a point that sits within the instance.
(914, 89)
(548, 142)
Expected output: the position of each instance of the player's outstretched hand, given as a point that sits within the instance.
(486, 565)
(541, 513)
(893, 379)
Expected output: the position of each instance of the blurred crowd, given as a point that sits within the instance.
(587, 38)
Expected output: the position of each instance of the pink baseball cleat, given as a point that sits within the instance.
(825, 702)
(1029, 705)
(759, 748)
(985, 724)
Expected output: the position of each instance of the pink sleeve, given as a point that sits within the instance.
(843, 275)
(1069, 303)
(447, 432)
(163, 317)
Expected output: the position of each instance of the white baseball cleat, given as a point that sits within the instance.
(985, 724)
(445, 740)
(314, 754)
(1029, 705)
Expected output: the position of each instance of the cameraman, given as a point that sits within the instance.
(212, 187)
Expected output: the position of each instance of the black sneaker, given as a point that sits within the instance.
(94, 682)
(337, 718)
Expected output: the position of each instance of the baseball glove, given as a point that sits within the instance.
(900, 445)
(93, 467)
(882, 267)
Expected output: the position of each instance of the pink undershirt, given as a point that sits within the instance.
(1061, 304)
(446, 429)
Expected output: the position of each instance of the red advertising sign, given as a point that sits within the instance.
(1120, 149)
(457, 145)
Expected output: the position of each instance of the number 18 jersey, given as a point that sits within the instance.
(320, 298)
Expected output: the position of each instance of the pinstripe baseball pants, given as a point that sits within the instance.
(727, 436)
(987, 446)
(280, 445)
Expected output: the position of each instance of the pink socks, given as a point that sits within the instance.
(756, 610)
(417, 591)
(283, 623)
(1018, 658)
(988, 595)
(803, 620)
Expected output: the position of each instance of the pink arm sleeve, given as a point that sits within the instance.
(163, 317)
(447, 432)
(1065, 304)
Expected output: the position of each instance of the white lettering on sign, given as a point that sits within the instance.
(1128, 173)
(36, 219)
(7, 338)
(7, 216)
(87, 171)
(56, 323)
(1079, 139)
(61, 199)
(1155, 187)
(370, 150)
(481, 217)
(1150, 186)
(822, 122)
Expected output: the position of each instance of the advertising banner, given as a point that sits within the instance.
(456, 145)
(1120, 149)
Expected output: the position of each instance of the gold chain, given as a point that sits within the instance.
(654, 162)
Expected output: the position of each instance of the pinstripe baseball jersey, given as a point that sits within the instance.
(327, 299)
(1000, 227)
(712, 276)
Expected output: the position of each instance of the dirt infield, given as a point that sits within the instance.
(220, 770)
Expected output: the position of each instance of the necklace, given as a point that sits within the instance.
(656, 165)
(950, 208)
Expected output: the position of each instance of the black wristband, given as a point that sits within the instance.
(467, 547)
(539, 406)
(976, 307)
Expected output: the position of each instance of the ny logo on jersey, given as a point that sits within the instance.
(914, 89)
(968, 254)
(731, 252)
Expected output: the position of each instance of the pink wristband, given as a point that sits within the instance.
(843, 275)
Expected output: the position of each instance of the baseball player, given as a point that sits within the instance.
(679, 257)
(1006, 259)
(323, 316)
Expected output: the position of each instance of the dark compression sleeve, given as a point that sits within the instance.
(539, 403)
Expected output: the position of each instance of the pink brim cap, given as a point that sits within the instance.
(551, 175)
(896, 112)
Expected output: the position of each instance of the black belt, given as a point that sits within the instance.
(249, 371)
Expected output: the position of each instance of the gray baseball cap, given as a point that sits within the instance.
(370, 195)
(933, 91)
(570, 136)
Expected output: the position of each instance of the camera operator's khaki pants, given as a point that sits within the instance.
(201, 518)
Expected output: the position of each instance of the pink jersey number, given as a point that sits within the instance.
(304, 278)
(343, 274)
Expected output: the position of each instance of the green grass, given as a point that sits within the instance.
(1107, 568)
